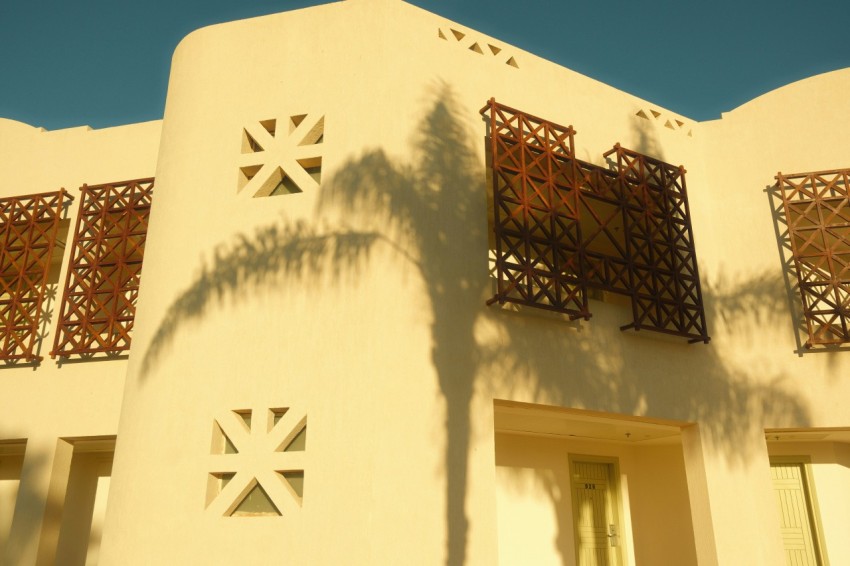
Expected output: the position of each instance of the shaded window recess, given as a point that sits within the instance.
(29, 226)
(564, 227)
(102, 283)
(817, 210)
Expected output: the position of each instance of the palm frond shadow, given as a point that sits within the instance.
(432, 212)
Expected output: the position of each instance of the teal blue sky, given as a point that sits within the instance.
(102, 63)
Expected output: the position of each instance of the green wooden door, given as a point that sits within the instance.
(795, 513)
(596, 528)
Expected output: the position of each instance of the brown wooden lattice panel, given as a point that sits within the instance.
(28, 226)
(102, 285)
(563, 226)
(665, 286)
(817, 210)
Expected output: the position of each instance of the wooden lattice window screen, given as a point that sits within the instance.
(817, 210)
(102, 284)
(563, 226)
(28, 226)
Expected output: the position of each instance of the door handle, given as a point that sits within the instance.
(613, 539)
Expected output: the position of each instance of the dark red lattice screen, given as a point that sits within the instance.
(817, 210)
(28, 226)
(102, 285)
(563, 226)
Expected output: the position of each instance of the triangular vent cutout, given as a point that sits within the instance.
(256, 502)
(295, 481)
(295, 121)
(440, 34)
(298, 443)
(458, 34)
(269, 125)
(512, 62)
(477, 48)
(245, 415)
(249, 144)
(642, 114)
(495, 50)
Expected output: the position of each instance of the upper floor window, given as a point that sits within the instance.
(817, 210)
(102, 282)
(28, 228)
(564, 226)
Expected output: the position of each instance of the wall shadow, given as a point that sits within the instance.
(431, 213)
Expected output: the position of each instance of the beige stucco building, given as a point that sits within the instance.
(338, 240)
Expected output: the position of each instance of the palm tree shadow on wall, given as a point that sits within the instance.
(432, 214)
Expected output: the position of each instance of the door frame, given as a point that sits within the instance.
(805, 463)
(616, 500)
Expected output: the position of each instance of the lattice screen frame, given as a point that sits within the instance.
(28, 227)
(817, 212)
(104, 272)
(563, 226)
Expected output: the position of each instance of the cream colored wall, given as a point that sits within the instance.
(74, 398)
(388, 347)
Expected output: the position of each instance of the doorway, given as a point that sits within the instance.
(797, 512)
(596, 510)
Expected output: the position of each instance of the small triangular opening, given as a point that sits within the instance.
(298, 443)
(277, 414)
(477, 48)
(269, 125)
(655, 113)
(642, 114)
(316, 133)
(222, 443)
(245, 415)
(313, 167)
(440, 34)
(229, 447)
(690, 133)
(246, 174)
(249, 144)
(458, 34)
(286, 186)
(495, 50)
(512, 62)
(295, 481)
(295, 121)
(667, 124)
(680, 123)
(256, 502)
